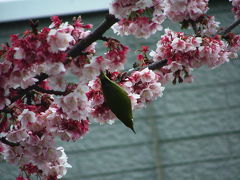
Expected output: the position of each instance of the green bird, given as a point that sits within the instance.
(118, 101)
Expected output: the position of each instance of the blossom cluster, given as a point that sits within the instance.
(35, 120)
(143, 87)
(236, 8)
(207, 25)
(179, 11)
(143, 18)
(38, 156)
(38, 104)
(185, 52)
(140, 18)
(234, 43)
(39, 53)
(116, 55)
(35, 129)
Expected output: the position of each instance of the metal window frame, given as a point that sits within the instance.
(13, 10)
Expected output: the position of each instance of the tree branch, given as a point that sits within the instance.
(5, 141)
(231, 27)
(93, 36)
(23, 92)
(74, 52)
(194, 27)
(152, 66)
(157, 65)
(58, 93)
(77, 50)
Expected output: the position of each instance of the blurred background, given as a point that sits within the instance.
(191, 133)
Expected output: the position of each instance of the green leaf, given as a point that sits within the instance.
(118, 101)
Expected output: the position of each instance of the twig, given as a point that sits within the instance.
(23, 92)
(34, 25)
(194, 27)
(5, 141)
(157, 65)
(92, 37)
(58, 93)
(231, 27)
(152, 66)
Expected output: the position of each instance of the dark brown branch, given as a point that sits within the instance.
(157, 65)
(58, 93)
(152, 66)
(5, 141)
(93, 36)
(23, 92)
(194, 27)
(231, 27)
(34, 25)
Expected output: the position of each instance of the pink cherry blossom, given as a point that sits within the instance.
(185, 10)
(41, 153)
(234, 44)
(75, 105)
(116, 55)
(185, 52)
(37, 62)
(58, 41)
(1, 148)
(123, 8)
(27, 117)
(210, 26)
(236, 8)
(17, 136)
(143, 87)
(133, 18)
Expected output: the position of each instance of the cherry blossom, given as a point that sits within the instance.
(38, 104)
(123, 8)
(208, 25)
(17, 135)
(27, 117)
(236, 8)
(116, 55)
(184, 9)
(185, 52)
(40, 152)
(58, 41)
(139, 18)
(144, 87)
(234, 43)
